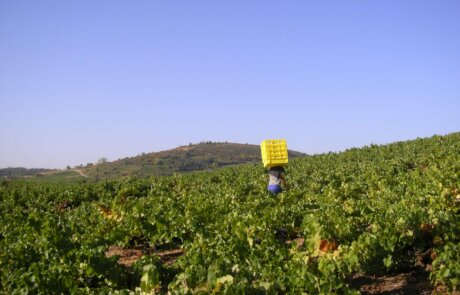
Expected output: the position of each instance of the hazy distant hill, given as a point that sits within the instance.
(193, 157)
(15, 172)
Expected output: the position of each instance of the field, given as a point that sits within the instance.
(374, 211)
(55, 177)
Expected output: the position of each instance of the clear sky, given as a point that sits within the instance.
(81, 80)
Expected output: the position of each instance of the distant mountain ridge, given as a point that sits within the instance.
(188, 158)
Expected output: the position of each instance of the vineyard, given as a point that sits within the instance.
(378, 209)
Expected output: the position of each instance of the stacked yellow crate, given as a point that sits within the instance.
(274, 152)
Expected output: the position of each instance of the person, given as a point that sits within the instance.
(276, 178)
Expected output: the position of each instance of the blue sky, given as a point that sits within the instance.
(81, 80)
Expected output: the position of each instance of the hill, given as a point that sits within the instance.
(183, 159)
(193, 157)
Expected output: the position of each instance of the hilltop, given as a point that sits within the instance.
(192, 157)
(183, 159)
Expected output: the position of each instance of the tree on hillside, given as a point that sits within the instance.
(102, 160)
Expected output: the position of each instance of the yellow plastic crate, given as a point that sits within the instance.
(274, 152)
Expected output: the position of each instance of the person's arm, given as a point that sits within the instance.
(283, 180)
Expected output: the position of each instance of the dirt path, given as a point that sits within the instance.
(80, 172)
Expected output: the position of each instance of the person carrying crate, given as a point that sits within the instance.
(276, 179)
(274, 157)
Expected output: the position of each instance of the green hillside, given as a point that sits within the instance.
(193, 157)
(184, 159)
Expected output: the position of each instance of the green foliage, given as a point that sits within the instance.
(367, 209)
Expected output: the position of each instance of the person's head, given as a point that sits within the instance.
(277, 168)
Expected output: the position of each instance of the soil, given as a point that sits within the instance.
(414, 282)
(128, 256)
(168, 257)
